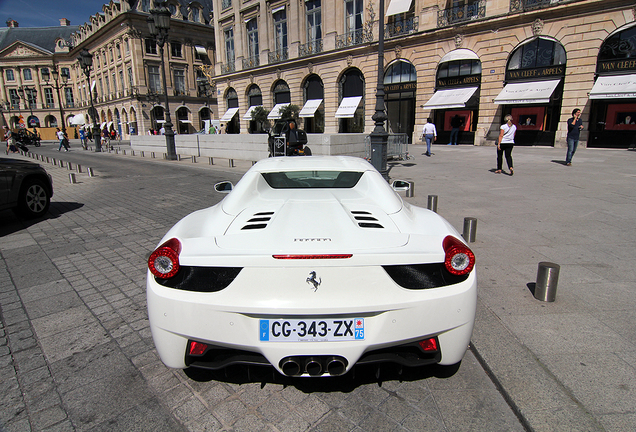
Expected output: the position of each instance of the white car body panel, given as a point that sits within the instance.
(311, 221)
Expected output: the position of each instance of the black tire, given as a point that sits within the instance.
(34, 199)
(307, 151)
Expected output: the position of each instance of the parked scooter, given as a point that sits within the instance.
(28, 138)
(285, 139)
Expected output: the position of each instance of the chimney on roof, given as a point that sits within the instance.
(12, 23)
(64, 22)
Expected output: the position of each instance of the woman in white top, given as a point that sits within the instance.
(505, 142)
(429, 134)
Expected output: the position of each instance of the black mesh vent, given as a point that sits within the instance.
(422, 276)
(201, 279)
(258, 221)
(366, 219)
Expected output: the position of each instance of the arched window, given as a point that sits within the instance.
(400, 72)
(313, 111)
(281, 92)
(536, 53)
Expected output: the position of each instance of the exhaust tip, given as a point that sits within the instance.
(313, 367)
(336, 366)
(290, 367)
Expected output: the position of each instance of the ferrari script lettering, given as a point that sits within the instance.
(312, 239)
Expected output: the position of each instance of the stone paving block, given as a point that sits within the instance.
(47, 417)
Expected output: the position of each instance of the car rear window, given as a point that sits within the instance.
(312, 179)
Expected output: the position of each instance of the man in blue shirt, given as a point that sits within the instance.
(575, 124)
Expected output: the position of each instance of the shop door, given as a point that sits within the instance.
(400, 108)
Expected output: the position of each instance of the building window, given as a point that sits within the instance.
(15, 99)
(48, 98)
(121, 80)
(151, 46)
(145, 5)
(107, 85)
(101, 88)
(118, 51)
(353, 16)
(226, 4)
(126, 47)
(173, 9)
(130, 77)
(68, 94)
(10, 75)
(457, 68)
(179, 82)
(252, 43)
(154, 79)
(314, 21)
(27, 74)
(65, 72)
(280, 34)
(114, 83)
(195, 14)
(229, 47)
(537, 53)
(175, 49)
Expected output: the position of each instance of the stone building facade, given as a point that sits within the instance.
(126, 80)
(477, 60)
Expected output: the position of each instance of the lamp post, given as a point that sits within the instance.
(56, 77)
(205, 90)
(159, 25)
(86, 62)
(28, 94)
(379, 137)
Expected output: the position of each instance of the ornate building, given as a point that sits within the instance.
(42, 81)
(475, 59)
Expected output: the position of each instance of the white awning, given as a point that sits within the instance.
(110, 124)
(248, 114)
(200, 50)
(102, 126)
(451, 98)
(161, 121)
(310, 107)
(78, 119)
(459, 54)
(274, 114)
(616, 86)
(533, 92)
(398, 7)
(185, 121)
(229, 114)
(348, 107)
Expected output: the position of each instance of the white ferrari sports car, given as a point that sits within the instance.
(311, 265)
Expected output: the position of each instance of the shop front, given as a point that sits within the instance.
(456, 98)
(533, 90)
(613, 97)
(400, 84)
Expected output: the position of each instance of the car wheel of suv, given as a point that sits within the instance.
(34, 199)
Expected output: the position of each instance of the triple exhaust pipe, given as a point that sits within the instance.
(313, 366)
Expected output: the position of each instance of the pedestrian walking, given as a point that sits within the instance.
(10, 138)
(63, 140)
(575, 124)
(456, 123)
(505, 143)
(82, 135)
(429, 134)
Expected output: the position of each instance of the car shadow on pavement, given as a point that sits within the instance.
(13, 223)
(360, 375)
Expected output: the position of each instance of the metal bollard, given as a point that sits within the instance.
(410, 192)
(470, 229)
(90, 172)
(61, 164)
(69, 166)
(78, 168)
(47, 160)
(194, 159)
(124, 152)
(432, 203)
(53, 161)
(231, 163)
(71, 178)
(211, 161)
(547, 281)
(132, 152)
(152, 155)
(142, 154)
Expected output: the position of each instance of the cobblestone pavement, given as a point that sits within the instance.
(76, 351)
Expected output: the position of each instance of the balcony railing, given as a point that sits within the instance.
(228, 67)
(402, 27)
(457, 15)
(310, 48)
(352, 38)
(251, 62)
(526, 5)
(278, 56)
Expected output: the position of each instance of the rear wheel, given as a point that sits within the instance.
(34, 199)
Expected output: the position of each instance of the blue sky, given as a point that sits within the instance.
(47, 13)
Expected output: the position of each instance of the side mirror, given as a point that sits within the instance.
(401, 185)
(224, 187)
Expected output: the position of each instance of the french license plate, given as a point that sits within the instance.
(318, 330)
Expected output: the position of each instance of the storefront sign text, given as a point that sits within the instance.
(617, 65)
(512, 75)
(459, 81)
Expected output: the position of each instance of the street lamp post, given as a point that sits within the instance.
(159, 25)
(86, 62)
(56, 77)
(379, 137)
(205, 90)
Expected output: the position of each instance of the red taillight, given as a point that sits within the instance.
(428, 345)
(197, 348)
(164, 261)
(322, 256)
(459, 259)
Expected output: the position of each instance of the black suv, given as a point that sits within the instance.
(25, 187)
